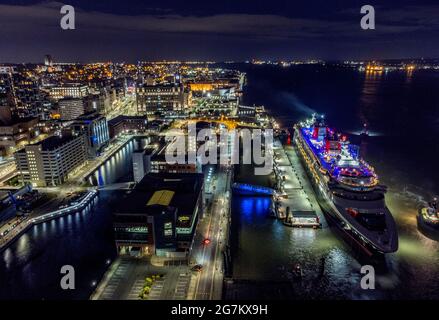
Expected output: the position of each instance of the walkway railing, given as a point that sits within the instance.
(252, 189)
(79, 206)
(25, 225)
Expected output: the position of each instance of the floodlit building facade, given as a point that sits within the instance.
(49, 162)
(95, 129)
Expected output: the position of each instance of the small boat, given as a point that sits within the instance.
(428, 220)
(301, 219)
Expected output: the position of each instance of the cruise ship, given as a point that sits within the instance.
(347, 187)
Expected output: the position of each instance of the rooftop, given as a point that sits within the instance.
(70, 84)
(89, 116)
(54, 142)
(122, 118)
(162, 197)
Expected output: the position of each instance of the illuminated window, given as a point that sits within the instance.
(168, 225)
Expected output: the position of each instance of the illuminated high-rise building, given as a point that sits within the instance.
(48, 163)
(167, 99)
(72, 90)
(95, 128)
(48, 62)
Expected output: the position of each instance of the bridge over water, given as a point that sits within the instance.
(250, 189)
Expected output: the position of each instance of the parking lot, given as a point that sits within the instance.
(110, 291)
(126, 278)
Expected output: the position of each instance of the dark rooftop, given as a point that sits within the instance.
(89, 116)
(122, 118)
(54, 142)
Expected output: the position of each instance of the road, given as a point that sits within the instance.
(126, 106)
(7, 170)
(213, 226)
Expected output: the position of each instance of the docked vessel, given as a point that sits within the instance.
(347, 187)
(428, 219)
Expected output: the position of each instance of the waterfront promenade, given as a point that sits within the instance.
(40, 217)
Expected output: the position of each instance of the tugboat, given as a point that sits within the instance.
(429, 215)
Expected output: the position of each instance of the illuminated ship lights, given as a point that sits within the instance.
(336, 155)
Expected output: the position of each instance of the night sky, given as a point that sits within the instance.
(132, 30)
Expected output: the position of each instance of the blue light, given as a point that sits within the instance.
(100, 179)
(253, 189)
(253, 207)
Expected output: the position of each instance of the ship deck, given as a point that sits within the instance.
(317, 152)
(331, 165)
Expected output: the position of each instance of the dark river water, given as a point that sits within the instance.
(402, 113)
(30, 267)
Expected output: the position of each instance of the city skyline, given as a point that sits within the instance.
(240, 31)
(232, 151)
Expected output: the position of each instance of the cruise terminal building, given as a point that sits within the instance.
(159, 216)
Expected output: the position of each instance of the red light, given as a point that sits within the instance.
(352, 212)
(315, 133)
(206, 241)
